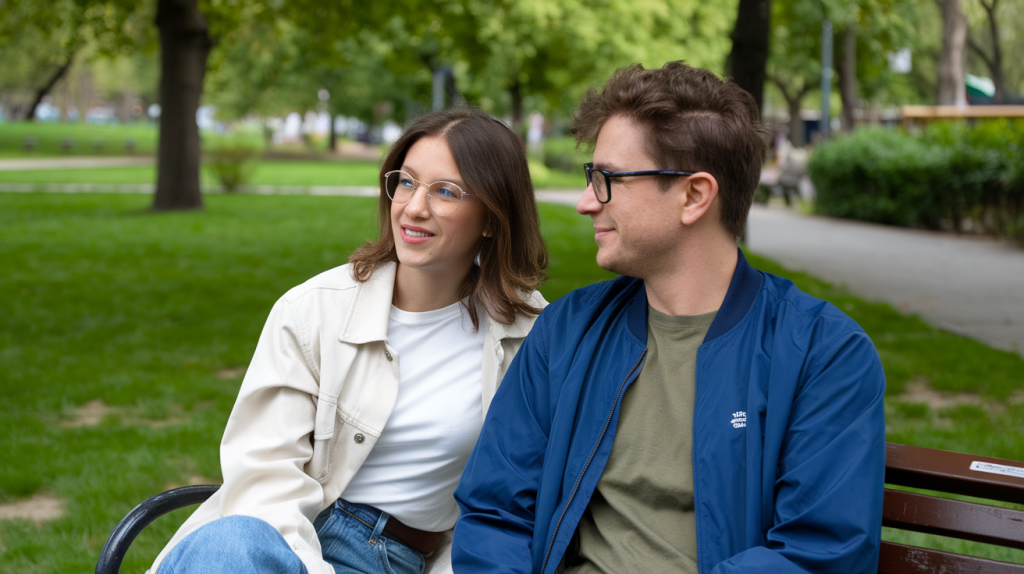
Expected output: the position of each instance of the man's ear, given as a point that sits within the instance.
(699, 192)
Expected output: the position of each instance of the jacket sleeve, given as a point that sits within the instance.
(829, 486)
(267, 442)
(498, 490)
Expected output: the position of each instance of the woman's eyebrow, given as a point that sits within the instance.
(411, 171)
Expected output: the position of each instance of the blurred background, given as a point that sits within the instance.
(168, 168)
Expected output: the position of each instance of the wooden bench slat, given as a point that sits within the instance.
(953, 518)
(900, 559)
(951, 472)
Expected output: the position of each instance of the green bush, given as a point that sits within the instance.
(231, 162)
(877, 175)
(560, 153)
(950, 174)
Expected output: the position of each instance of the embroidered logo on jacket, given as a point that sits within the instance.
(739, 419)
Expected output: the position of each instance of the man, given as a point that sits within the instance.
(695, 414)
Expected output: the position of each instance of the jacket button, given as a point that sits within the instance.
(359, 438)
(387, 354)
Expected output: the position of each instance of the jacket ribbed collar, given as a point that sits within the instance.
(746, 282)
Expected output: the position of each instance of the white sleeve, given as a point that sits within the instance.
(268, 441)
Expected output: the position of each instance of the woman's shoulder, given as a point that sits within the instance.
(536, 299)
(336, 301)
(337, 279)
(523, 321)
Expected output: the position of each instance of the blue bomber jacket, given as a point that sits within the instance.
(788, 433)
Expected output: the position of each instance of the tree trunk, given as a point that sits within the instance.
(996, 66)
(184, 46)
(516, 93)
(794, 101)
(333, 141)
(848, 78)
(952, 90)
(41, 93)
(796, 123)
(454, 97)
(748, 59)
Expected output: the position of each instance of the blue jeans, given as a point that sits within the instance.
(350, 537)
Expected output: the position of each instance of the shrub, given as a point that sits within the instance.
(560, 153)
(951, 173)
(231, 163)
(877, 175)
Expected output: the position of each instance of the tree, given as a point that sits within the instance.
(993, 58)
(184, 47)
(866, 30)
(952, 90)
(40, 41)
(795, 63)
(748, 60)
(848, 76)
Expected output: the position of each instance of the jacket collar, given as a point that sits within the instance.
(370, 311)
(743, 288)
(519, 328)
(371, 307)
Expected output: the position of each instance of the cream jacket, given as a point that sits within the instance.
(320, 388)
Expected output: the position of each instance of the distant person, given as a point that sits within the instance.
(370, 381)
(535, 133)
(695, 414)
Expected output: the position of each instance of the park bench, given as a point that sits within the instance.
(952, 473)
(906, 466)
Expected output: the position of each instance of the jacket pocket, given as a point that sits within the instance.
(323, 438)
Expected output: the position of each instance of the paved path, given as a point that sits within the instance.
(73, 162)
(967, 285)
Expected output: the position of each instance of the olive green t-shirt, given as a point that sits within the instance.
(640, 519)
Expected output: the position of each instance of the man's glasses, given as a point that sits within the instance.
(443, 197)
(601, 180)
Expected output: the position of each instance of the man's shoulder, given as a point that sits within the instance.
(594, 297)
(794, 309)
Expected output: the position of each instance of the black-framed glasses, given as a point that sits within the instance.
(601, 180)
(443, 197)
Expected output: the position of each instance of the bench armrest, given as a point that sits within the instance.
(141, 516)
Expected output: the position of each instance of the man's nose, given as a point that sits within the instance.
(588, 202)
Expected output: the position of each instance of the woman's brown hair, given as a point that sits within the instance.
(493, 166)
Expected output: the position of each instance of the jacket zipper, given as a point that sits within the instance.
(607, 423)
(693, 459)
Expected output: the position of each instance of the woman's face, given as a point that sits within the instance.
(427, 242)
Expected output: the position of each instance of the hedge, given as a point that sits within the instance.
(949, 174)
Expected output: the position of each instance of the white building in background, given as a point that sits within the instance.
(391, 132)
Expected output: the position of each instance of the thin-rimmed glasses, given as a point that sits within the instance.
(443, 197)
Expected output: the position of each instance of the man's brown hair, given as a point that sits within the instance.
(694, 121)
(493, 166)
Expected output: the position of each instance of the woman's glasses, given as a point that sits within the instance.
(443, 197)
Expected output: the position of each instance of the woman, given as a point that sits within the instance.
(370, 381)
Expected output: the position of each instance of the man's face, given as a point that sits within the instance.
(638, 231)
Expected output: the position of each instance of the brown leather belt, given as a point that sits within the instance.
(419, 540)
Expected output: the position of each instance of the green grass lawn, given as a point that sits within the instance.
(268, 172)
(86, 139)
(156, 316)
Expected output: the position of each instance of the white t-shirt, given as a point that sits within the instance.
(414, 467)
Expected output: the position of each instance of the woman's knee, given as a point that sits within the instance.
(242, 543)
